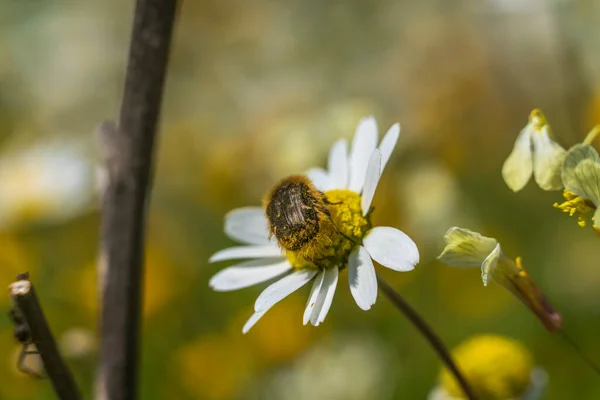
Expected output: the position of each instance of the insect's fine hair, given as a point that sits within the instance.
(296, 211)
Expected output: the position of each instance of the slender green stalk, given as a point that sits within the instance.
(581, 353)
(396, 299)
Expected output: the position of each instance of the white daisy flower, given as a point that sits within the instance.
(535, 152)
(344, 239)
(49, 181)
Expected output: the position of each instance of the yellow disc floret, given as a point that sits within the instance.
(576, 204)
(496, 367)
(337, 236)
(346, 213)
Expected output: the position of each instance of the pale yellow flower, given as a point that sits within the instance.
(535, 152)
(581, 177)
(468, 249)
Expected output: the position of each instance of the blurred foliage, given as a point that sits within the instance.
(258, 90)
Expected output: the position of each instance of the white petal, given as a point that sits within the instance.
(365, 141)
(371, 181)
(319, 178)
(247, 225)
(392, 248)
(338, 165)
(282, 288)
(465, 248)
(548, 158)
(235, 253)
(488, 267)
(253, 320)
(325, 296)
(248, 274)
(312, 299)
(518, 167)
(386, 147)
(362, 278)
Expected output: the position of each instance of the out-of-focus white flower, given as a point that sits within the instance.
(43, 183)
(535, 152)
(347, 368)
(77, 343)
(443, 205)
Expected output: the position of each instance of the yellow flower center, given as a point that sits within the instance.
(337, 236)
(496, 367)
(576, 204)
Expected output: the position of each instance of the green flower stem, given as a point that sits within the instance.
(396, 299)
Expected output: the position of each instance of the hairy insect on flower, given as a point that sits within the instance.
(498, 368)
(535, 152)
(581, 177)
(465, 248)
(315, 225)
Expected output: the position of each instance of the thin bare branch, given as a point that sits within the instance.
(128, 156)
(25, 299)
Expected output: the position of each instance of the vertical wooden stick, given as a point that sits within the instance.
(128, 152)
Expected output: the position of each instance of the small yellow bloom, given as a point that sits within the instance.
(497, 368)
(581, 177)
(535, 152)
(467, 249)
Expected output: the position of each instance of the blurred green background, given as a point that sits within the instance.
(259, 90)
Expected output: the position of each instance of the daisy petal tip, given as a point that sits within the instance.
(252, 321)
(368, 118)
(392, 248)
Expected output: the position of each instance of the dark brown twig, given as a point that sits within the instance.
(128, 155)
(24, 298)
(428, 333)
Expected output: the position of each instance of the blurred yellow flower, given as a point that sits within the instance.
(159, 285)
(497, 368)
(278, 338)
(467, 249)
(534, 152)
(215, 367)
